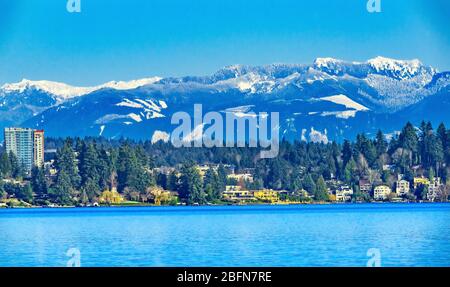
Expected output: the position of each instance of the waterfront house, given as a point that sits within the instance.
(303, 193)
(381, 192)
(334, 183)
(434, 189)
(236, 193)
(365, 186)
(421, 181)
(402, 187)
(267, 195)
(344, 193)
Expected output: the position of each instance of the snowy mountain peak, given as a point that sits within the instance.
(122, 85)
(65, 91)
(326, 62)
(233, 71)
(59, 89)
(400, 68)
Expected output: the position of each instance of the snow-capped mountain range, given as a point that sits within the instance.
(330, 99)
(63, 91)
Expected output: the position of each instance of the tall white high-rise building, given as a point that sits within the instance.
(27, 145)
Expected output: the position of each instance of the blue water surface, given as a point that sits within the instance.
(306, 235)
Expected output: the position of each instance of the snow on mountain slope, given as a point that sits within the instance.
(330, 65)
(58, 89)
(351, 106)
(345, 101)
(385, 83)
(402, 69)
(251, 82)
(147, 108)
(327, 62)
(129, 112)
(64, 91)
(124, 85)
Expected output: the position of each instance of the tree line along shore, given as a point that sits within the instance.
(411, 166)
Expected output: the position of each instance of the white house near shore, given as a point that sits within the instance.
(381, 192)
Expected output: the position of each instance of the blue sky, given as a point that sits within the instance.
(128, 39)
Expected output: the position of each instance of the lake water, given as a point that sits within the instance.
(313, 235)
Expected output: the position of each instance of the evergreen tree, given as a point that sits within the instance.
(380, 143)
(385, 176)
(66, 161)
(421, 192)
(276, 175)
(431, 174)
(330, 169)
(84, 199)
(436, 153)
(259, 175)
(79, 145)
(443, 136)
(365, 147)
(447, 150)
(25, 193)
(222, 178)
(309, 185)
(162, 180)
(61, 192)
(172, 182)
(39, 184)
(130, 171)
(105, 169)
(426, 137)
(141, 181)
(209, 192)
(142, 157)
(16, 169)
(296, 181)
(88, 162)
(212, 185)
(347, 152)
(5, 165)
(321, 192)
(350, 170)
(90, 190)
(3, 193)
(408, 140)
(191, 186)
(126, 163)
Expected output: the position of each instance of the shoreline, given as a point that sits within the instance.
(220, 205)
